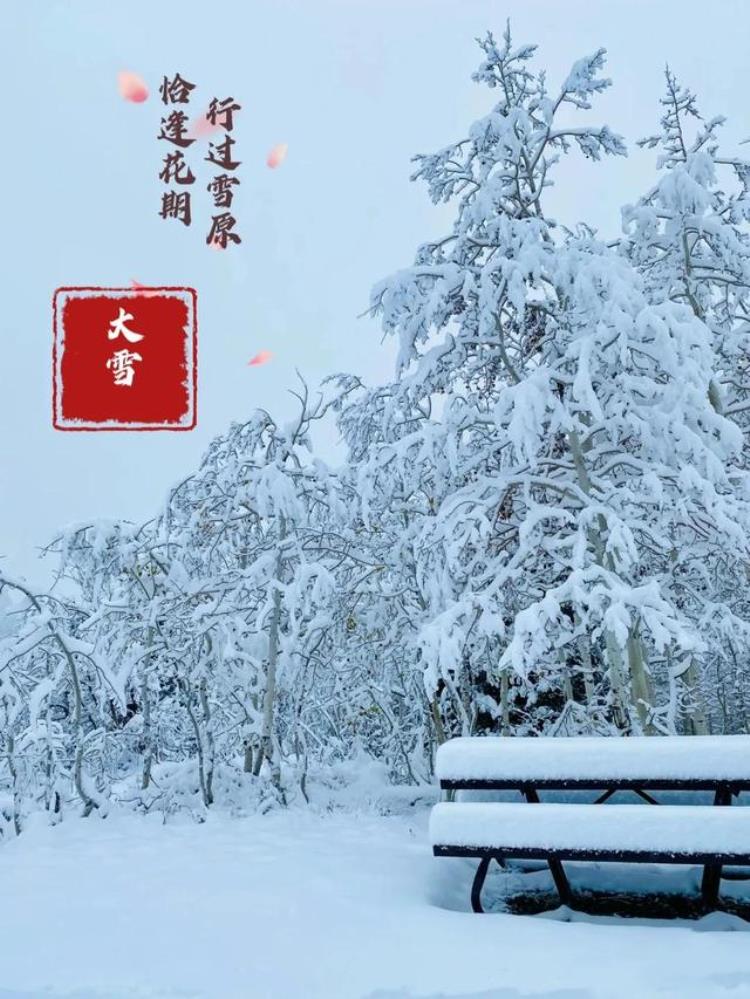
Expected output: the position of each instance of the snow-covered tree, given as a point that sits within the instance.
(690, 241)
(689, 237)
(567, 426)
(48, 681)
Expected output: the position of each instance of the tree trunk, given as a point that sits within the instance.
(269, 697)
(504, 703)
(640, 683)
(210, 753)
(10, 746)
(697, 718)
(641, 696)
(437, 720)
(205, 790)
(587, 666)
(148, 754)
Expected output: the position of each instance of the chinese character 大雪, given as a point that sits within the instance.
(118, 328)
(121, 365)
(221, 189)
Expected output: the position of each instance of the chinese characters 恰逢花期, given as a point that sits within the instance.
(176, 169)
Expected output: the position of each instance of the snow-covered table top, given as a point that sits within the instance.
(676, 829)
(584, 758)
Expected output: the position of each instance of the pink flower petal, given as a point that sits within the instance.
(277, 155)
(142, 289)
(132, 87)
(201, 127)
(261, 358)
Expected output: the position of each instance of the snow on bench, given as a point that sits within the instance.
(674, 832)
(711, 836)
(638, 761)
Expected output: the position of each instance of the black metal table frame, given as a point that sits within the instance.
(712, 864)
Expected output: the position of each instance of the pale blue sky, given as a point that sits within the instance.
(355, 89)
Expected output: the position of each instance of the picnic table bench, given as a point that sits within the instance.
(713, 838)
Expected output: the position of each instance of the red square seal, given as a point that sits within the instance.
(124, 359)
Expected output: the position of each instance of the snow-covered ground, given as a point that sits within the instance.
(302, 905)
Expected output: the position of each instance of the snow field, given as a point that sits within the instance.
(298, 905)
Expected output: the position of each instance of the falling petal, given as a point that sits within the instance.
(277, 155)
(142, 289)
(201, 127)
(261, 358)
(132, 87)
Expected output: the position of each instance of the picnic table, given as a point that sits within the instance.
(711, 837)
